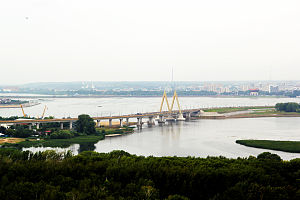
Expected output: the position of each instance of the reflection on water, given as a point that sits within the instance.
(88, 146)
(73, 148)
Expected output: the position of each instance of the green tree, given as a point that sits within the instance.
(62, 134)
(85, 124)
(292, 107)
(287, 107)
(2, 130)
(269, 156)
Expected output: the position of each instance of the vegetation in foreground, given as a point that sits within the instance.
(287, 146)
(119, 175)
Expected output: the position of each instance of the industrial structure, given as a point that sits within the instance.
(162, 116)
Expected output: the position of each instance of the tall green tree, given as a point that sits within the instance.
(2, 130)
(85, 124)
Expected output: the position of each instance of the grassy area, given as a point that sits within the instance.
(234, 109)
(287, 146)
(82, 140)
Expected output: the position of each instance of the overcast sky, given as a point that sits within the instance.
(73, 40)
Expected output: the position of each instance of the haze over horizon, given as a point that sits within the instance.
(73, 40)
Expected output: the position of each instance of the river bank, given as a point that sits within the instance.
(245, 112)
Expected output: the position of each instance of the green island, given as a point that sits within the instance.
(119, 175)
(287, 146)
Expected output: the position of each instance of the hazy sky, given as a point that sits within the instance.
(74, 40)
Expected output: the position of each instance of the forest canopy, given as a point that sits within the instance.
(119, 175)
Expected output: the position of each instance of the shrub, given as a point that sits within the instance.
(62, 134)
(269, 156)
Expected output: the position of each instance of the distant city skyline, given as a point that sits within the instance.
(136, 40)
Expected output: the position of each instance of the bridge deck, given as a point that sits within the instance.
(96, 118)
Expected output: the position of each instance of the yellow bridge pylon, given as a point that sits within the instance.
(170, 109)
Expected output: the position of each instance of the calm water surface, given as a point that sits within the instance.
(202, 138)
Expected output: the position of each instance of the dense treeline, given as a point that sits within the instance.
(287, 107)
(119, 175)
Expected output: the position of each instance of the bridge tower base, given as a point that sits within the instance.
(180, 117)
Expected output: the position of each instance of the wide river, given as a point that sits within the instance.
(200, 138)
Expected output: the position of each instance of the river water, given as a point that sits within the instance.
(199, 138)
(72, 107)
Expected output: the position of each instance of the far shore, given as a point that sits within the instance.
(41, 96)
(245, 112)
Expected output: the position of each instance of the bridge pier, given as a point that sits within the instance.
(121, 122)
(161, 119)
(110, 123)
(151, 121)
(180, 117)
(187, 115)
(37, 125)
(139, 123)
(71, 125)
(61, 125)
(30, 126)
(170, 119)
(127, 121)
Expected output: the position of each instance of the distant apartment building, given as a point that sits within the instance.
(273, 89)
(244, 88)
(210, 87)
